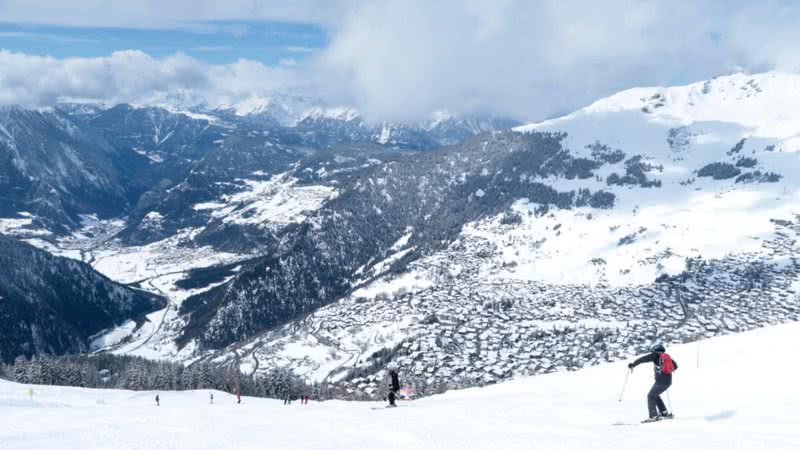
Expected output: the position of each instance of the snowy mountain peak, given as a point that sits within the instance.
(338, 113)
(286, 108)
(762, 102)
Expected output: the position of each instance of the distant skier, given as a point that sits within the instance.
(238, 398)
(211, 398)
(158, 401)
(395, 387)
(664, 365)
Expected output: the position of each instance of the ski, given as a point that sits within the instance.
(643, 422)
(624, 424)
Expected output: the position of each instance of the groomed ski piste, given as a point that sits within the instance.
(735, 391)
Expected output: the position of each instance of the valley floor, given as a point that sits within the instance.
(743, 395)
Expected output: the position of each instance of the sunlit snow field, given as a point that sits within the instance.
(743, 395)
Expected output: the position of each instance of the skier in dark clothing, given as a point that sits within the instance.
(394, 388)
(664, 365)
(158, 401)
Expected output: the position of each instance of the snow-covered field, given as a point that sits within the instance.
(268, 204)
(743, 395)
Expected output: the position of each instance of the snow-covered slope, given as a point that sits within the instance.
(722, 158)
(268, 204)
(705, 187)
(764, 103)
(731, 392)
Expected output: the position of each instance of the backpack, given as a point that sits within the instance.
(666, 364)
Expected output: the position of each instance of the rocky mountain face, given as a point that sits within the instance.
(57, 168)
(60, 163)
(158, 133)
(54, 305)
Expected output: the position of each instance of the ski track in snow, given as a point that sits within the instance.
(742, 395)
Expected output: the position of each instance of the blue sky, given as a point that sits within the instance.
(269, 42)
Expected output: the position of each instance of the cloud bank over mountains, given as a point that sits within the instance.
(130, 76)
(400, 59)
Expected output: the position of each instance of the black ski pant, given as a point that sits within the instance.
(654, 399)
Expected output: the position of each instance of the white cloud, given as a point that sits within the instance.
(404, 58)
(130, 76)
(399, 59)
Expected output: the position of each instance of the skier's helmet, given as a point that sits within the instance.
(658, 348)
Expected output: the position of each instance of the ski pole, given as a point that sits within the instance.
(627, 374)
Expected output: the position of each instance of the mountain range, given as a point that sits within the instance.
(463, 249)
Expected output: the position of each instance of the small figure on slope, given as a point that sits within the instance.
(158, 401)
(664, 365)
(211, 398)
(394, 387)
(238, 398)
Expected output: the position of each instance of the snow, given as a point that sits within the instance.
(21, 226)
(155, 267)
(403, 241)
(287, 109)
(115, 336)
(688, 216)
(405, 282)
(762, 102)
(742, 395)
(335, 113)
(564, 246)
(142, 263)
(386, 134)
(268, 204)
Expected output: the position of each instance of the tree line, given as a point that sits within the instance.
(136, 373)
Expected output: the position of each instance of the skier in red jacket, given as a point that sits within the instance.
(664, 365)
